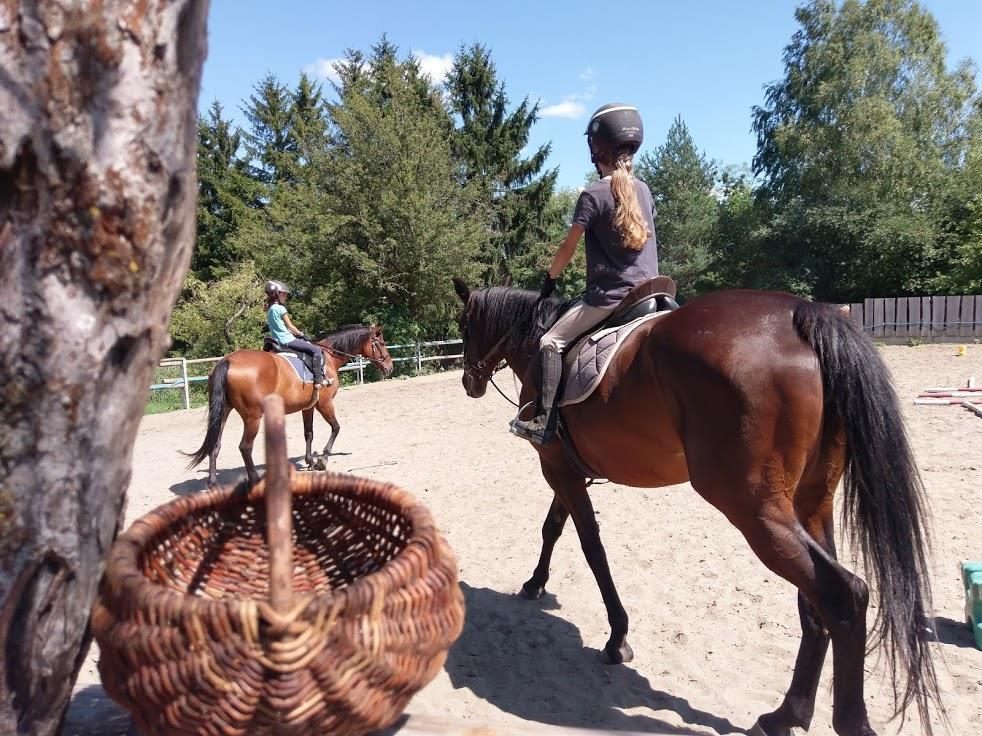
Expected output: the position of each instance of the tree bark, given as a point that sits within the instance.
(98, 129)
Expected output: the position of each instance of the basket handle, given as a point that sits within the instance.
(279, 521)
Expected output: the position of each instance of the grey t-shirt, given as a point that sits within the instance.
(611, 269)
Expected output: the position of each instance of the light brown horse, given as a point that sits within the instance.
(762, 401)
(242, 379)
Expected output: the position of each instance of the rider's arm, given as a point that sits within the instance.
(289, 325)
(566, 251)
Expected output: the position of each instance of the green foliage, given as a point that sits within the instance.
(226, 193)
(489, 145)
(681, 181)
(367, 199)
(528, 269)
(855, 144)
(215, 318)
(408, 222)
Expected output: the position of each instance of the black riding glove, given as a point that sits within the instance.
(548, 287)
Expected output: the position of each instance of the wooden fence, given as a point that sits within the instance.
(923, 317)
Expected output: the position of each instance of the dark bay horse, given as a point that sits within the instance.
(242, 379)
(762, 401)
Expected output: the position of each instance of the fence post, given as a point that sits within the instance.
(419, 357)
(361, 370)
(184, 377)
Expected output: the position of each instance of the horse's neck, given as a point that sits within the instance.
(334, 359)
(519, 362)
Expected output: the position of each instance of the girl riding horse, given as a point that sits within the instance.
(617, 216)
(284, 331)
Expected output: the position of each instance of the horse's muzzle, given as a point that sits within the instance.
(474, 388)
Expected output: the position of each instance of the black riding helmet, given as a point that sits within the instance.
(614, 127)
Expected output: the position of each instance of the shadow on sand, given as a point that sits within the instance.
(953, 632)
(542, 672)
(92, 713)
(233, 476)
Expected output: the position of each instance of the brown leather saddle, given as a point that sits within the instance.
(653, 295)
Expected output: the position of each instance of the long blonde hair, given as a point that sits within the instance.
(629, 222)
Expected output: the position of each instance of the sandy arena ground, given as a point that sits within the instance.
(714, 633)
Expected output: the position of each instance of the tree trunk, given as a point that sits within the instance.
(97, 214)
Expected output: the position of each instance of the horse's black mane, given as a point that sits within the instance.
(347, 338)
(501, 310)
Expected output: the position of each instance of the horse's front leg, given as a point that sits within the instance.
(308, 435)
(552, 528)
(571, 490)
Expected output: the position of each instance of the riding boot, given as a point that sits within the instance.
(541, 429)
(319, 369)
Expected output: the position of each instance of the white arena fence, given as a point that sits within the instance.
(416, 357)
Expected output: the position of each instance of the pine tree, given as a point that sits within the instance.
(681, 181)
(308, 125)
(270, 141)
(226, 192)
(489, 142)
(407, 220)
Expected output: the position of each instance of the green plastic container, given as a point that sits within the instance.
(972, 578)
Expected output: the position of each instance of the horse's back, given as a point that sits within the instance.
(724, 366)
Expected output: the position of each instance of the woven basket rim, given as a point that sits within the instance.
(124, 575)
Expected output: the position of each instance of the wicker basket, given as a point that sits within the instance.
(205, 627)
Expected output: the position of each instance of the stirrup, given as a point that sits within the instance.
(520, 428)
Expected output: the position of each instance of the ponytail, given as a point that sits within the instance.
(628, 220)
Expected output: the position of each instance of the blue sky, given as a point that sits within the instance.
(705, 60)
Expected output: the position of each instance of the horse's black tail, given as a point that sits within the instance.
(216, 412)
(884, 508)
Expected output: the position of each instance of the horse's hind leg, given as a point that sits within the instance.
(572, 492)
(814, 509)
(249, 431)
(839, 597)
(213, 455)
(552, 528)
(798, 706)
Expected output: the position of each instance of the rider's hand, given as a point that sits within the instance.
(548, 287)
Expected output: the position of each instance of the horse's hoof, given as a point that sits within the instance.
(320, 464)
(758, 729)
(532, 592)
(617, 655)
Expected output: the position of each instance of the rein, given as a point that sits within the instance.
(374, 360)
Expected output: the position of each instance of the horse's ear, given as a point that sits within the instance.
(462, 289)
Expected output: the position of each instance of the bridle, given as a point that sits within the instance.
(481, 371)
(375, 359)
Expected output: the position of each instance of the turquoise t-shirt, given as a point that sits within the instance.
(274, 320)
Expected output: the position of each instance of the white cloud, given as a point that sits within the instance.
(588, 75)
(324, 69)
(572, 105)
(435, 67)
(568, 108)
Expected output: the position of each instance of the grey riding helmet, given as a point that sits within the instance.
(614, 127)
(276, 287)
